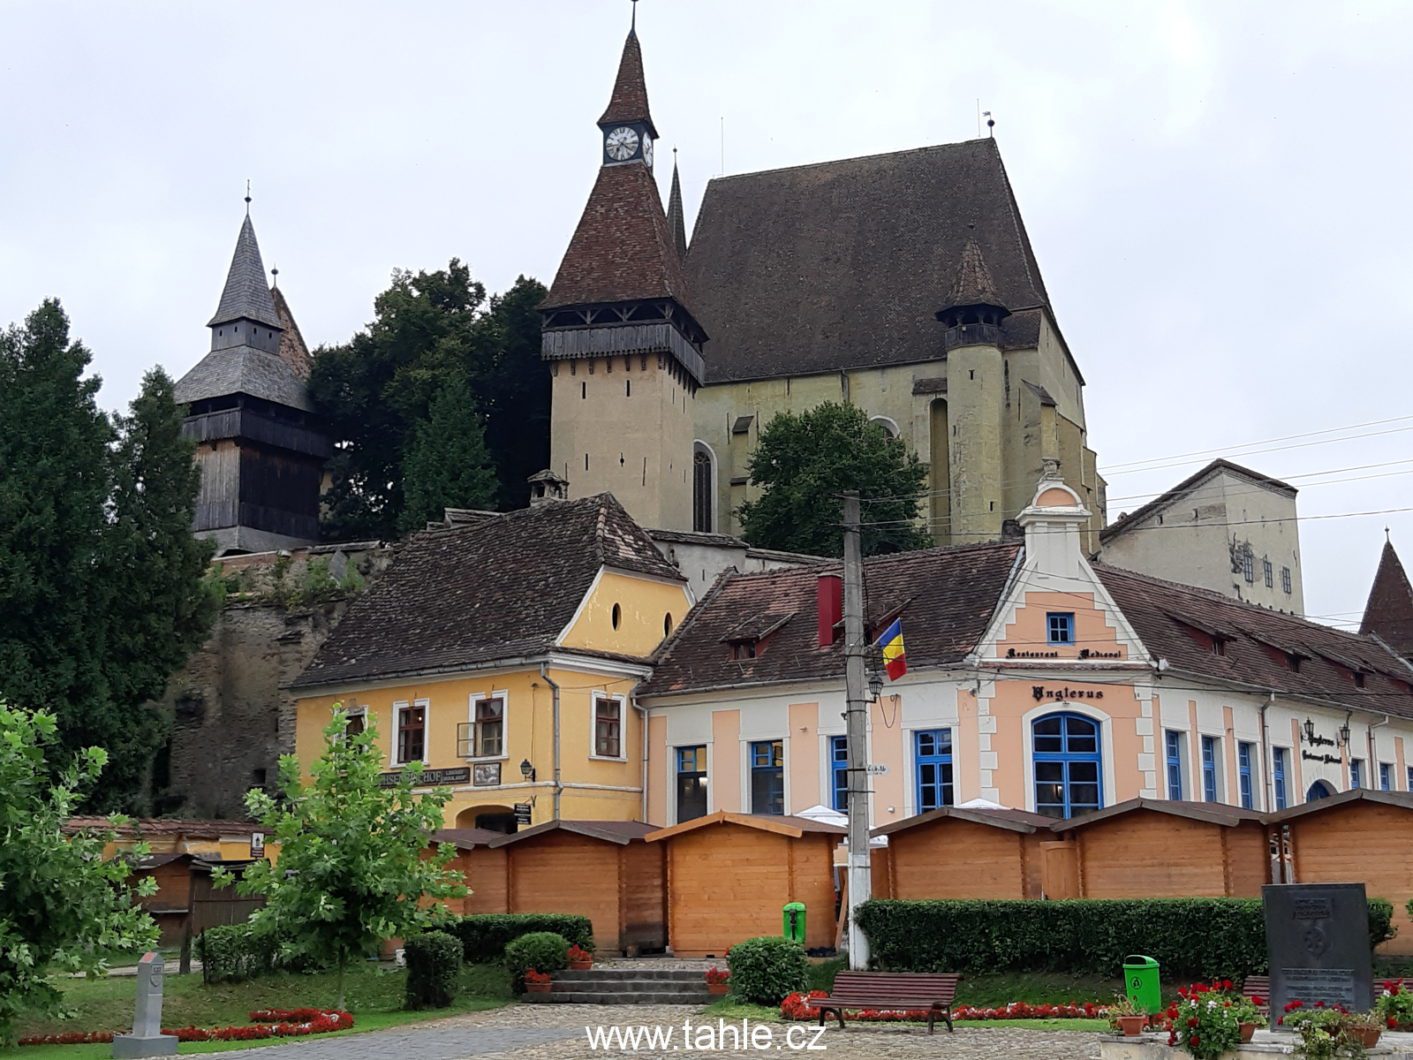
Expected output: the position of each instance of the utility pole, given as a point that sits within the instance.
(856, 726)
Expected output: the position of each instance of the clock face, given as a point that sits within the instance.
(622, 144)
(648, 150)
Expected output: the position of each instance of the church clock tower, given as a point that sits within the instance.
(623, 346)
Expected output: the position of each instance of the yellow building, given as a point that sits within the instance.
(503, 654)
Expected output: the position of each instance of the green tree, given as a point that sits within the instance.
(447, 464)
(351, 871)
(375, 389)
(804, 461)
(62, 906)
(99, 573)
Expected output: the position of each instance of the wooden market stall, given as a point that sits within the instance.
(599, 869)
(963, 852)
(729, 875)
(482, 868)
(1359, 836)
(1159, 848)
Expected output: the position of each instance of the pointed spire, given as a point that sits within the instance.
(246, 296)
(676, 221)
(1389, 612)
(973, 285)
(629, 102)
(292, 349)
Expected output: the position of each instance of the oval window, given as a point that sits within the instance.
(617, 615)
(667, 624)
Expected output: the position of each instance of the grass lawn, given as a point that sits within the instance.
(1000, 988)
(374, 998)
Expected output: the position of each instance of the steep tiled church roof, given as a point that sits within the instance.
(293, 351)
(622, 250)
(844, 264)
(243, 370)
(973, 285)
(246, 294)
(1389, 613)
(676, 217)
(494, 589)
(629, 101)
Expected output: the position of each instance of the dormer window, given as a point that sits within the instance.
(744, 649)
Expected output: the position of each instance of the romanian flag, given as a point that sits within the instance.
(895, 659)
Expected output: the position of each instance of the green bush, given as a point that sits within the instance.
(485, 936)
(765, 969)
(233, 953)
(543, 951)
(1189, 937)
(433, 969)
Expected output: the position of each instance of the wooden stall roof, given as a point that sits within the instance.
(467, 838)
(1012, 820)
(153, 861)
(1208, 812)
(1402, 799)
(196, 829)
(793, 827)
(620, 832)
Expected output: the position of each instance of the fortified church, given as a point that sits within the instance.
(904, 283)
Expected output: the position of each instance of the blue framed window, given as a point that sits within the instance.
(1209, 768)
(1243, 776)
(691, 782)
(1278, 775)
(933, 751)
(768, 776)
(1174, 747)
(1059, 627)
(1069, 764)
(1385, 777)
(1409, 778)
(1356, 773)
(839, 772)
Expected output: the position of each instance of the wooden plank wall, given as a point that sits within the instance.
(1145, 854)
(642, 896)
(728, 882)
(1362, 842)
(951, 858)
(559, 872)
(484, 870)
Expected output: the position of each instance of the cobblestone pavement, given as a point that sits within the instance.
(556, 1032)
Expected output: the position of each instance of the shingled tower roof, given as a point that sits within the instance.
(246, 295)
(629, 101)
(676, 218)
(1389, 612)
(293, 350)
(973, 285)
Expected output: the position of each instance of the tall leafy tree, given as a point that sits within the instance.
(377, 388)
(354, 868)
(62, 904)
(802, 463)
(99, 573)
(447, 463)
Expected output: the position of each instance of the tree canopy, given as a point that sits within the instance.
(432, 331)
(804, 461)
(62, 904)
(351, 871)
(99, 571)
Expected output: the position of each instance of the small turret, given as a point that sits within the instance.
(973, 311)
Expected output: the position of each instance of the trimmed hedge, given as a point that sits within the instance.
(1189, 937)
(484, 936)
(540, 951)
(233, 953)
(766, 969)
(433, 970)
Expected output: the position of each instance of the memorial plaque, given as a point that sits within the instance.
(146, 1038)
(1317, 937)
(430, 778)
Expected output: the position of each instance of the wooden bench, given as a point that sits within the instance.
(891, 991)
(1255, 986)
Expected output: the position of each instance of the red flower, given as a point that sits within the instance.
(1192, 1021)
(1194, 1041)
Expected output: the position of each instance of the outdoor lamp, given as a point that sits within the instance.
(875, 683)
(1309, 731)
(527, 770)
(1344, 734)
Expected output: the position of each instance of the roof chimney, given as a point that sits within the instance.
(547, 487)
(829, 596)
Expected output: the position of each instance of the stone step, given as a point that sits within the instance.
(671, 975)
(628, 986)
(616, 997)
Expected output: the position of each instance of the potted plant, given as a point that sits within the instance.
(1248, 1017)
(1395, 1005)
(718, 981)
(1325, 1033)
(537, 982)
(1364, 1027)
(580, 959)
(1204, 1021)
(1126, 1017)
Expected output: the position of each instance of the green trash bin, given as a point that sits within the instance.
(1141, 983)
(793, 922)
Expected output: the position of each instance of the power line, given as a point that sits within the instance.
(900, 523)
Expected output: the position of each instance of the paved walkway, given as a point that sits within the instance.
(557, 1032)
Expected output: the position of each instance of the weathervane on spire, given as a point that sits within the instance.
(990, 124)
(275, 272)
(247, 196)
(633, 25)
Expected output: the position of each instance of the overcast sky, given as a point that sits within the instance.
(1218, 193)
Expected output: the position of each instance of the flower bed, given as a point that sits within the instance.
(267, 1023)
(794, 1008)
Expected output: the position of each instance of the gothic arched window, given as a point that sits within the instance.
(703, 489)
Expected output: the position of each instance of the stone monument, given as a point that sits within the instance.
(1317, 938)
(147, 1038)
